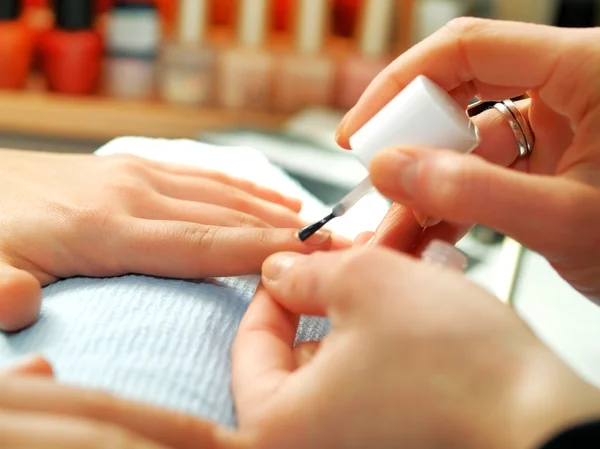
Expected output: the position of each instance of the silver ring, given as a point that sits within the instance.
(523, 123)
(506, 108)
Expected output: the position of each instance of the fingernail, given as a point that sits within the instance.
(426, 221)
(277, 265)
(318, 238)
(406, 167)
(443, 253)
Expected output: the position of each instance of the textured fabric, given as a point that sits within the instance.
(162, 341)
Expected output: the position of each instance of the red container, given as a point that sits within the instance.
(72, 52)
(17, 43)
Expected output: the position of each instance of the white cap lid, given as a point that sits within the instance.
(252, 25)
(191, 21)
(376, 28)
(311, 22)
(422, 115)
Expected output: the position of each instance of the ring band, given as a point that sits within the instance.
(517, 122)
(523, 123)
(517, 130)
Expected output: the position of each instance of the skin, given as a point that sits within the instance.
(450, 367)
(557, 187)
(107, 216)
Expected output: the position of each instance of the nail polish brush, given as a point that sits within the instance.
(421, 115)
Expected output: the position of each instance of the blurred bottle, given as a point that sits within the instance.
(344, 16)
(133, 37)
(245, 70)
(16, 46)
(375, 40)
(534, 11)
(72, 51)
(306, 77)
(186, 65)
(431, 15)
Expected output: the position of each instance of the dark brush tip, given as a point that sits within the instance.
(305, 233)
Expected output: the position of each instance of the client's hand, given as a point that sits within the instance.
(66, 215)
(417, 357)
(37, 412)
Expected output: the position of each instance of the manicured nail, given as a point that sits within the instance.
(443, 253)
(318, 238)
(426, 221)
(278, 264)
(406, 167)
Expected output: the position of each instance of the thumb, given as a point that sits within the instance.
(20, 298)
(32, 366)
(539, 211)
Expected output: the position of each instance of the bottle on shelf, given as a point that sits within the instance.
(187, 64)
(306, 76)
(246, 67)
(17, 42)
(133, 33)
(374, 43)
(72, 51)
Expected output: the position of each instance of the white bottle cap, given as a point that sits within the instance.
(252, 22)
(312, 16)
(422, 115)
(376, 28)
(191, 21)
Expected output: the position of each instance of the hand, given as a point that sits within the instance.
(417, 357)
(550, 202)
(66, 215)
(35, 412)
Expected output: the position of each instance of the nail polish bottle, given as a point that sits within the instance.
(246, 70)
(133, 36)
(16, 46)
(306, 77)
(431, 15)
(359, 69)
(72, 51)
(186, 64)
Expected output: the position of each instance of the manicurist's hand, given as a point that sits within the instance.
(417, 357)
(66, 215)
(550, 200)
(37, 412)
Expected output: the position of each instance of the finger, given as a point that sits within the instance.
(190, 177)
(491, 59)
(262, 354)
(53, 432)
(105, 413)
(188, 250)
(363, 238)
(32, 366)
(212, 192)
(541, 212)
(20, 298)
(165, 208)
(399, 229)
(330, 284)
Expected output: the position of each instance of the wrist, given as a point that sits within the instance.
(547, 399)
(542, 398)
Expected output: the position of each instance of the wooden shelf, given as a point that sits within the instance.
(36, 112)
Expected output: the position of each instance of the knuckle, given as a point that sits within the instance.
(99, 404)
(108, 436)
(200, 238)
(465, 26)
(250, 221)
